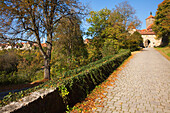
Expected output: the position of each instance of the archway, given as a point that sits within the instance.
(147, 42)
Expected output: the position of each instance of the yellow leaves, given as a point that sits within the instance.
(38, 54)
(64, 91)
(89, 104)
(94, 108)
(67, 2)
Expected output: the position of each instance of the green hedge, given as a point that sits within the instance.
(86, 80)
(79, 82)
(88, 66)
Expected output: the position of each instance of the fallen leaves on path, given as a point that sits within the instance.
(96, 97)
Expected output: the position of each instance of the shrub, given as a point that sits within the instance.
(134, 41)
(12, 78)
(110, 47)
(9, 62)
(83, 68)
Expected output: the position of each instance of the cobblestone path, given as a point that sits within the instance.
(143, 86)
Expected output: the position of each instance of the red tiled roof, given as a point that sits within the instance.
(150, 26)
(150, 17)
(143, 30)
(87, 40)
(3, 44)
(131, 26)
(44, 45)
(146, 32)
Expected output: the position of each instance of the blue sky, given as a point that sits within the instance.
(142, 7)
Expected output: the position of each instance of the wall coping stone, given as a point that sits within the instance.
(26, 100)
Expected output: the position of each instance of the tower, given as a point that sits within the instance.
(149, 20)
(43, 40)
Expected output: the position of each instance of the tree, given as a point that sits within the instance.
(29, 20)
(98, 22)
(134, 41)
(110, 47)
(70, 41)
(162, 22)
(111, 25)
(119, 20)
(126, 14)
(115, 29)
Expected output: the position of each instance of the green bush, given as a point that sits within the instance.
(83, 68)
(9, 62)
(110, 47)
(135, 41)
(12, 78)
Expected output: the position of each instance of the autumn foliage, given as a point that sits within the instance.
(162, 22)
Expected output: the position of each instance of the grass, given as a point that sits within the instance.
(165, 51)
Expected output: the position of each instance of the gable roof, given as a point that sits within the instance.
(150, 17)
(146, 32)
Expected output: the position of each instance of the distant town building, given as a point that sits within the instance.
(21, 46)
(86, 41)
(131, 28)
(148, 35)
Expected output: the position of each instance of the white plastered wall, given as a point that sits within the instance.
(153, 40)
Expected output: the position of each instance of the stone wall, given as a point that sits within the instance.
(149, 22)
(152, 39)
(41, 101)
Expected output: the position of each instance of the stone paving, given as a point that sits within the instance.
(143, 86)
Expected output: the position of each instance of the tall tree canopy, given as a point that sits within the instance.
(110, 26)
(122, 15)
(98, 22)
(68, 44)
(162, 22)
(126, 14)
(32, 20)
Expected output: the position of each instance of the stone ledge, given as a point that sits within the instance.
(11, 107)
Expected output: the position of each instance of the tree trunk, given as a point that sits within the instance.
(48, 56)
(47, 68)
(165, 40)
